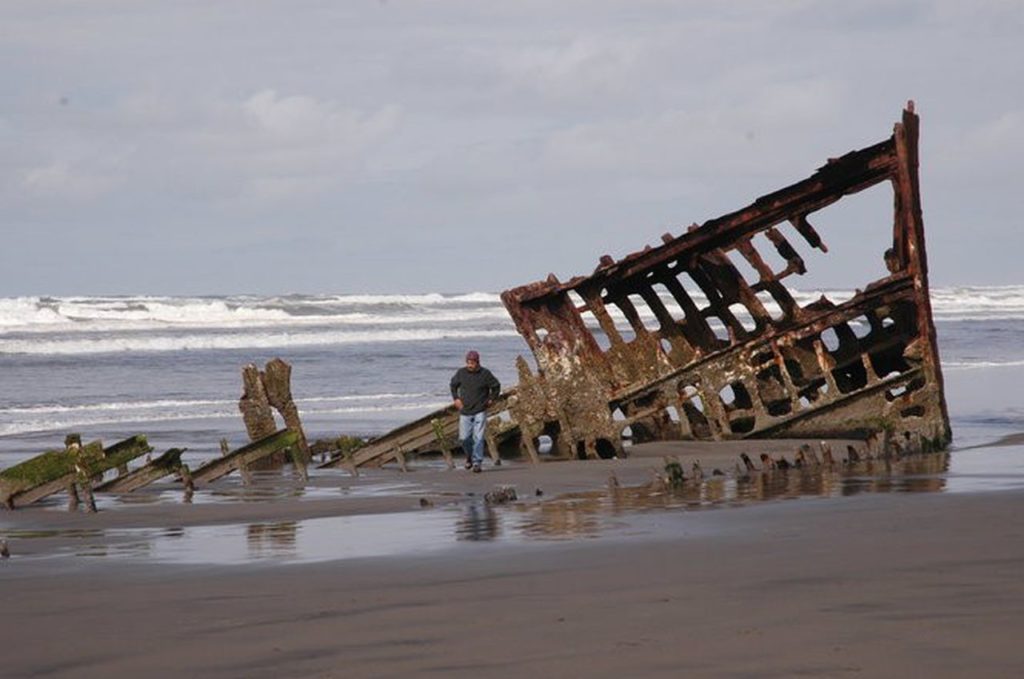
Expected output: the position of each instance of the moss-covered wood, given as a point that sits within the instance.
(168, 463)
(42, 468)
(213, 470)
(122, 452)
(45, 474)
(52, 471)
(443, 441)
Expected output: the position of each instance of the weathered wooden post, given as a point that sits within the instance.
(83, 475)
(442, 442)
(264, 390)
(73, 500)
(186, 479)
(243, 468)
(351, 463)
(256, 412)
(277, 383)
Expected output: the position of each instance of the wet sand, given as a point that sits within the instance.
(881, 584)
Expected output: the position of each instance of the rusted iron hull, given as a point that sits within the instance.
(727, 357)
(712, 355)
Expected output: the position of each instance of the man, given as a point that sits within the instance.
(473, 389)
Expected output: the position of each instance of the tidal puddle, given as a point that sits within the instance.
(615, 511)
(308, 540)
(266, 487)
(590, 514)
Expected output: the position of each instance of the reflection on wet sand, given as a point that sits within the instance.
(271, 539)
(478, 522)
(580, 514)
(613, 509)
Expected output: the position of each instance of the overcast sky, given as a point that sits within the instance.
(369, 146)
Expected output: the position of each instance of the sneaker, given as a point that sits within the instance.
(477, 469)
(469, 464)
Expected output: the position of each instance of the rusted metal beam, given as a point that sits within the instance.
(706, 374)
(715, 362)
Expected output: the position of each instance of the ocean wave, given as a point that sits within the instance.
(430, 298)
(214, 341)
(974, 365)
(113, 314)
(120, 418)
(163, 404)
(354, 319)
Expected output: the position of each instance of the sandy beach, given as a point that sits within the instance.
(584, 579)
(263, 262)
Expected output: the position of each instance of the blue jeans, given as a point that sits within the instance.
(471, 433)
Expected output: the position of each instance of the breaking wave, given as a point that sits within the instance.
(45, 417)
(107, 314)
(64, 326)
(198, 342)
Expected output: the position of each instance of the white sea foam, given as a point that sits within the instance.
(66, 424)
(89, 325)
(978, 364)
(147, 313)
(164, 343)
(18, 312)
(430, 298)
(165, 404)
(43, 315)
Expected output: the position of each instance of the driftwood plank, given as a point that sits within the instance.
(54, 470)
(213, 470)
(166, 464)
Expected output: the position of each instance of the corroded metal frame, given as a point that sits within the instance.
(716, 363)
(711, 355)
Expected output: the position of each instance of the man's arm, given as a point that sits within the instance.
(455, 384)
(494, 385)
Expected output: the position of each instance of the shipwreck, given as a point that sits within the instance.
(712, 354)
(698, 338)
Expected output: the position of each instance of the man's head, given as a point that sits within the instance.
(472, 360)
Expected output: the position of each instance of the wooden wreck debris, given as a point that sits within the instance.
(728, 354)
(243, 469)
(277, 377)
(168, 463)
(254, 405)
(266, 391)
(56, 470)
(257, 450)
(444, 443)
(420, 436)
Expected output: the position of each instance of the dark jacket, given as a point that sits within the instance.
(476, 389)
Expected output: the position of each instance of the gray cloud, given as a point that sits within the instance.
(464, 145)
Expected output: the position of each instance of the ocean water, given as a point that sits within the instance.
(170, 367)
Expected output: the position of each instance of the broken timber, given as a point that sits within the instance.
(57, 470)
(166, 464)
(222, 466)
(726, 357)
(263, 392)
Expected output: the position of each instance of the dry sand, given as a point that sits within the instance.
(880, 585)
